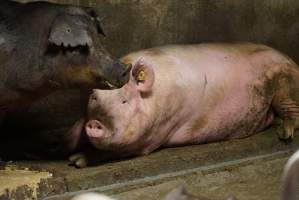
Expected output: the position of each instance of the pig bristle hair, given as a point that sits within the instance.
(290, 178)
(91, 196)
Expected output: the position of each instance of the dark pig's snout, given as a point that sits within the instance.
(116, 73)
(124, 74)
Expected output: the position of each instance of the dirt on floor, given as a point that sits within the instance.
(247, 169)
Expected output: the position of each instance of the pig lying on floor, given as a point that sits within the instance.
(193, 94)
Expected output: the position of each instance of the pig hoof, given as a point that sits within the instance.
(78, 160)
(286, 130)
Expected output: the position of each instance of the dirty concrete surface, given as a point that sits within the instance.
(249, 168)
(20, 184)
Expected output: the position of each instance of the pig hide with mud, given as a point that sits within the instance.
(192, 94)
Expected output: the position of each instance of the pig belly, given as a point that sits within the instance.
(236, 124)
(238, 117)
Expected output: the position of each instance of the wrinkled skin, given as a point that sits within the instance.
(182, 95)
(45, 47)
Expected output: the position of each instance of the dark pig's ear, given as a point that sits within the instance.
(67, 30)
(143, 75)
(95, 17)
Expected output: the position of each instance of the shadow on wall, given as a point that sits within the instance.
(134, 24)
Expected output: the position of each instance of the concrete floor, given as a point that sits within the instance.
(247, 169)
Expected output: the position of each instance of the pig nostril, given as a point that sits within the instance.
(90, 126)
(94, 125)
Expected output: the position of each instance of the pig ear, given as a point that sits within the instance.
(94, 15)
(143, 75)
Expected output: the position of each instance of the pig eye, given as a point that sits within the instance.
(124, 101)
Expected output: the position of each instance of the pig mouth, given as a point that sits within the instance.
(109, 85)
(54, 49)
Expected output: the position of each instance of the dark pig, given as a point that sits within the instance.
(194, 94)
(45, 47)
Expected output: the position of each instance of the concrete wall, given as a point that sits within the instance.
(135, 24)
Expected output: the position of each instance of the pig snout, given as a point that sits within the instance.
(94, 129)
(123, 75)
(97, 127)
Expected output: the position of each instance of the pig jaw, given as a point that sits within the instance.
(122, 141)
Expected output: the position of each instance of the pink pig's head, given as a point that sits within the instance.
(117, 118)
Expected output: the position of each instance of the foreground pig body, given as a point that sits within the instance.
(44, 47)
(181, 95)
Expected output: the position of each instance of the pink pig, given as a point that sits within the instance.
(192, 94)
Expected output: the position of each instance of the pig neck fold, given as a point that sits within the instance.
(165, 120)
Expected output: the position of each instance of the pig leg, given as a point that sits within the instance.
(286, 101)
